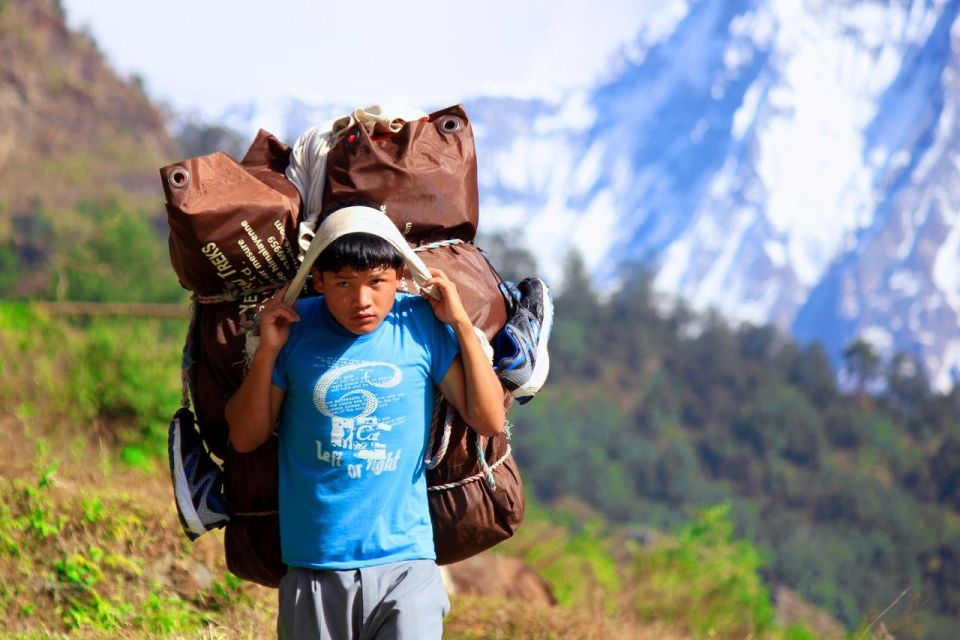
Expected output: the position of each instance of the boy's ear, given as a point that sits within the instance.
(317, 280)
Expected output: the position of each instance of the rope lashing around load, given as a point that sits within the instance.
(487, 470)
(438, 244)
(234, 296)
(432, 462)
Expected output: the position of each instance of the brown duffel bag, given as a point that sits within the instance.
(218, 369)
(425, 175)
(476, 501)
(473, 484)
(477, 282)
(232, 225)
(252, 536)
(232, 232)
(251, 541)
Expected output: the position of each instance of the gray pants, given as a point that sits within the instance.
(402, 600)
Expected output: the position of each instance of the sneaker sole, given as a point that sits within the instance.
(542, 364)
(181, 486)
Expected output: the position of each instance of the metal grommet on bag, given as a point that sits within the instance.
(449, 124)
(178, 178)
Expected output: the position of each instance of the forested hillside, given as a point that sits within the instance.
(71, 128)
(652, 412)
(77, 145)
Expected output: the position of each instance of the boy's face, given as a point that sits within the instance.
(358, 300)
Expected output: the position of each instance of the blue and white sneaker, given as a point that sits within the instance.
(197, 479)
(520, 355)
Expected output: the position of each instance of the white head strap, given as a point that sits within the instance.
(357, 220)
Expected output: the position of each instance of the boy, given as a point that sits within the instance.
(350, 378)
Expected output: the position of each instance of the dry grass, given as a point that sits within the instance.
(93, 549)
(113, 538)
(480, 618)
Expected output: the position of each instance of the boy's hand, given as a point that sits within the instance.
(275, 321)
(447, 305)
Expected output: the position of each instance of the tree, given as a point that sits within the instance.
(862, 364)
(575, 345)
(812, 372)
(908, 388)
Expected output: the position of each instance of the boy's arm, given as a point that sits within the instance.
(253, 409)
(470, 383)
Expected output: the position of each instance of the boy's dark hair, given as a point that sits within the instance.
(358, 251)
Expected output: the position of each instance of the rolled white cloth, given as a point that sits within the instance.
(357, 219)
(308, 170)
(308, 159)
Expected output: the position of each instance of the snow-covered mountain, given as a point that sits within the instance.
(791, 161)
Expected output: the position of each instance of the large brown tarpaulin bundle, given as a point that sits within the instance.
(424, 175)
(232, 231)
(469, 517)
(231, 223)
(232, 242)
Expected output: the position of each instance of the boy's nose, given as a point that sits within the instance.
(362, 301)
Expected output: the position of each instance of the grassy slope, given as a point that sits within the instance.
(92, 548)
(90, 545)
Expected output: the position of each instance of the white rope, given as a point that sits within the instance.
(473, 478)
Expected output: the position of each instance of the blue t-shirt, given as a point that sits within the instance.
(354, 427)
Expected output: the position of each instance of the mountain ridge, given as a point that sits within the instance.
(74, 129)
(766, 158)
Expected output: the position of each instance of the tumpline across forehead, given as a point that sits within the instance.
(359, 220)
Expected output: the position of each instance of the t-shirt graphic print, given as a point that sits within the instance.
(356, 431)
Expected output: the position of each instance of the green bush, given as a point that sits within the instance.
(120, 375)
(706, 581)
(577, 565)
(122, 259)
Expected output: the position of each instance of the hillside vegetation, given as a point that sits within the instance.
(72, 129)
(75, 143)
(653, 413)
(90, 544)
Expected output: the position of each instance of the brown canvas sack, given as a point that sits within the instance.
(252, 536)
(477, 282)
(218, 369)
(251, 540)
(231, 223)
(231, 231)
(425, 175)
(472, 510)
(469, 513)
